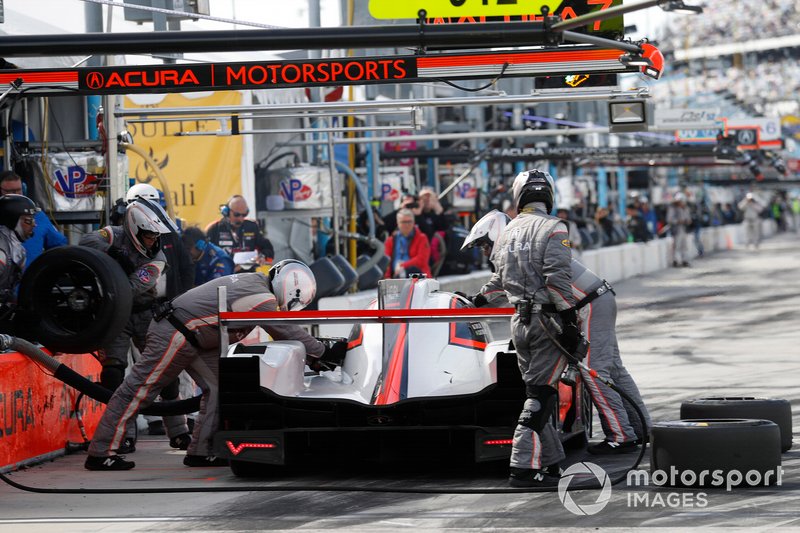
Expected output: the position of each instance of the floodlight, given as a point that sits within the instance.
(627, 115)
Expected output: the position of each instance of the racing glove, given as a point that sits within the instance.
(570, 332)
(335, 352)
(123, 260)
(478, 300)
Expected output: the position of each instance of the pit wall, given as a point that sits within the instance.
(37, 411)
(614, 263)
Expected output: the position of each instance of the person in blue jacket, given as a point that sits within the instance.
(45, 236)
(210, 261)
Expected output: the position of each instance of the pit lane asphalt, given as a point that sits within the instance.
(727, 326)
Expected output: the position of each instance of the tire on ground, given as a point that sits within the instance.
(722, 445)
(79, 297)
(775, 410)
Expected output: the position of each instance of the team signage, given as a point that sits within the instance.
(409, 9)
(553, 152)
(319, 72)
(470, 11)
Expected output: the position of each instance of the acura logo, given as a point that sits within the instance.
(95, 80)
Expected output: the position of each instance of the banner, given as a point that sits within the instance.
(37, 415)
(201, 172)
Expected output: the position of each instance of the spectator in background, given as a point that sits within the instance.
(648, 214)
(636, 225)
(751, 210)
(236, 233)
(430, 218)
(408, 201)
(728, 214)
(46, 235)
(679, 219)
(210, 260)
(408, 248)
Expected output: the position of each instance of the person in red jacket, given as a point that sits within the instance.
(408, 248)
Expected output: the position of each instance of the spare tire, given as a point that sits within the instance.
(79, 296)
(775, 410)
(691, 447)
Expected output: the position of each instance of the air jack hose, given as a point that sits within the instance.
(610, 384)
(93, 390)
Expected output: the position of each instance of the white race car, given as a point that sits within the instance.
(404, 388)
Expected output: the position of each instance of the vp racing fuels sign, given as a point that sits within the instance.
(319, 72)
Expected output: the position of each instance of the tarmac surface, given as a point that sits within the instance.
(726, 326)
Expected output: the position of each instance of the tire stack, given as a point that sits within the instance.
(735, 437)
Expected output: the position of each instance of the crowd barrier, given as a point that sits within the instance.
(37, 417)
(614, 263)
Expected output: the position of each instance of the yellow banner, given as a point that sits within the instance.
(201, 172)
(409, 9)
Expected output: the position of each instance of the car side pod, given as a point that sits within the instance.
(722, 453)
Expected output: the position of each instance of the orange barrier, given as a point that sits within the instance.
(37, 416)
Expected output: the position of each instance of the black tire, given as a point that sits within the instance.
(80, 297)
(775, 410)
(247, 469)
(720, 445)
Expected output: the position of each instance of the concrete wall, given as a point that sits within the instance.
(614, 263)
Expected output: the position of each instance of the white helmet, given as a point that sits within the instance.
(533, 186)
(486, 231)
(142, 190)
(679, 197)
(144, 215)
(293, 284)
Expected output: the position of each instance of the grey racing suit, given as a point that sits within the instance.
(532, 259)
(679, 219)
(168, 352)
(12, 261)
(598, 324)
(599, 319)
(143, 282)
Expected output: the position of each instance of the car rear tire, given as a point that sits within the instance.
(79, 297)
(775, 410)
(714, 445)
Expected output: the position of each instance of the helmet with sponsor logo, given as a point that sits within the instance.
(144, 217)
(142, 190)
(293, 284)
(486, 231)
(533, 186)
(12, 208)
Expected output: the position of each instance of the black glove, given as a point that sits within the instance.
(334, 352)
(123, 260)
(570, 333)
(478, 300)
(332, 357)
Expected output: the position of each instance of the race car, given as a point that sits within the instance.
(404, 389)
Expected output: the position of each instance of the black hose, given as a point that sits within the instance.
(265, 165)
(645, 430)
(91, 389)
(101, 394)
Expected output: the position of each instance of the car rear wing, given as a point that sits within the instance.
(231, 319)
